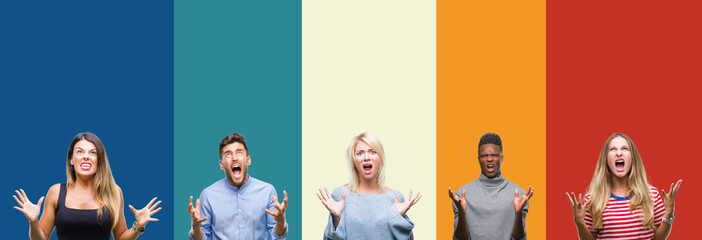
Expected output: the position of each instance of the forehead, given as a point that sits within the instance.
(233, 147)
(85, 145)
(361, 145)
(618, 141)
(489, 148)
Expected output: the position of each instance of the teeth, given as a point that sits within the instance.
(85, 165)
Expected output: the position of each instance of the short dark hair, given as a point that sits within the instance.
(490, 138)
(233, 138)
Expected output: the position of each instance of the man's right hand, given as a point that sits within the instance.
(459, 201)
(196, 221)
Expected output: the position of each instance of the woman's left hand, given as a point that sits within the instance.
(669, 198)
(143, 216)
(402, 207)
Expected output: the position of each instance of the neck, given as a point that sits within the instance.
(231, 182)
(367, 186)
(83, 182)
(620, 187)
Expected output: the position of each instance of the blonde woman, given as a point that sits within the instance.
(620, 204)
(365, 208)
(86, 205)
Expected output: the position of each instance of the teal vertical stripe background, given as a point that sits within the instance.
(237, 68)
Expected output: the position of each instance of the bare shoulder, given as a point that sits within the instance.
(53, 194)
(54, 191)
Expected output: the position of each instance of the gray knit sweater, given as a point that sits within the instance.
(369, 216)
(490, 212)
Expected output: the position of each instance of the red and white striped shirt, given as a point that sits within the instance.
(620, 223)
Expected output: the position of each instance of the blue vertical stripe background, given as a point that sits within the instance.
(75, 66)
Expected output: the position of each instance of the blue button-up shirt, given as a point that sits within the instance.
(238, 212)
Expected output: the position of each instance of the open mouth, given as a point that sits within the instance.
(619, 165)
(236, 171)
(367, 168)
(490, 167)
(85, 166)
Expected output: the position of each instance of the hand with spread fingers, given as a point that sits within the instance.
(279, 213)
(519, 201)
(143, 216)
(403, 207)
(669, 198)
(30, 210)
(334, 207)
(196, 221)
(578, 206)
(459, 201)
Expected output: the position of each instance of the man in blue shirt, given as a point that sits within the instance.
(238, 206)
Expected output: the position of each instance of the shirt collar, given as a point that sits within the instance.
(620, 198)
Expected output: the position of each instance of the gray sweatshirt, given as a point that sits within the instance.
(490, 212)
(369, 216)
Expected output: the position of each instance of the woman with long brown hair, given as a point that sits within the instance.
(86, 206)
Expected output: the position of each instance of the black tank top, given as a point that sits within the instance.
(80, 224)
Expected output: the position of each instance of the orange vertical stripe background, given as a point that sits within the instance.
(491, 66)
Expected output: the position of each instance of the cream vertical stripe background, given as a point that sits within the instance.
(369, 66)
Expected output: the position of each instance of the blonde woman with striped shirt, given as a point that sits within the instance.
(620, 204)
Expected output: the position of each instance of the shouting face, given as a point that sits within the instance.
(235, 161)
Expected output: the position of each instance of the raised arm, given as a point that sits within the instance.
(663, 230)
(460, 223)
(279, 215)
(335, 204)
(400, 225)
(39, 229)
(143, 216)
(336, 208)
(578, 207)
(520, 208)
(196, 219)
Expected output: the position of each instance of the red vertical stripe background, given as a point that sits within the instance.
(623, 66)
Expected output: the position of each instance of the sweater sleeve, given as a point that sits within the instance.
(401, 226)
(455, 219)
(525, 210)
(331, 233)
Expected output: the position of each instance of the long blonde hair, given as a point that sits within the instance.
(374, 143)
(105, 190)
(601, 186)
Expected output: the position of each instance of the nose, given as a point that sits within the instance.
(366, 157)
(619, 152)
